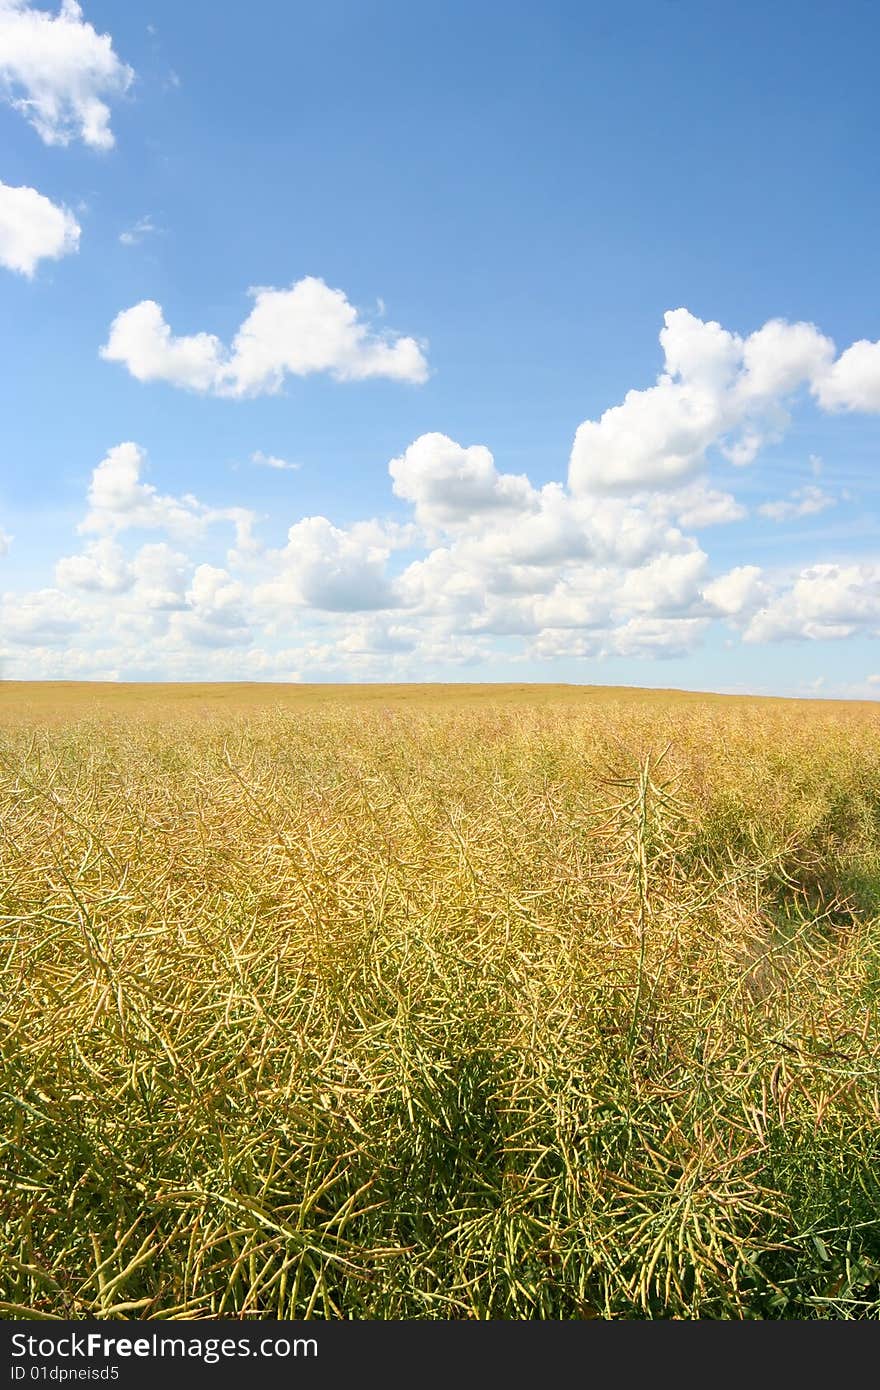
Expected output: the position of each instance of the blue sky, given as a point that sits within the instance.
(421, 254)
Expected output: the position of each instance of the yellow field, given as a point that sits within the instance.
(438, 1002)
(61, 701)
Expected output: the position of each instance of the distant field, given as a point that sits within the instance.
(437, 1002)
(66, 699)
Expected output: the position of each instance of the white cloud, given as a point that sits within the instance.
(718, 391)
(120, 501)
(160, 576)
(555, 568)
(59, 662)
(272, 461)
(299, 331)
(658, 637)
(33, 229)
(484, 566)
(450, 485)
(312, 328)
(378, 637)
(214, 593)
(824, 601)
(329, 569)
(667, 584)
(661, 434)
(134, 235)
(215, 611)
(5, 542)
(59, 72)
(741, 590)
(46, 617)
(503, 527)
(141, 339)
(804, 501)
(779, 358)
(698, 506)
(101, 567)
(853, 382)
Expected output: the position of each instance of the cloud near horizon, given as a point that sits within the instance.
(484, 561)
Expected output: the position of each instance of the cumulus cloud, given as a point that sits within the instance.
(720, 391)
(667, 584)
(299, 331)
(160, 577)
(741, 590)
(119, 500)
(328, 568)
(698, 506)
(59, 72)
(32, 229)
(566, 572)
(483, 563)
(101, 568)
(658, 637)
(853, 382)
(778, 358)
(804, 501)
(824, 601)
(214, 615)
(215, 594)
(141, 339)
(32, 661)
(499, 524)
(378, 637)
(450, 485)
(45, 617)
